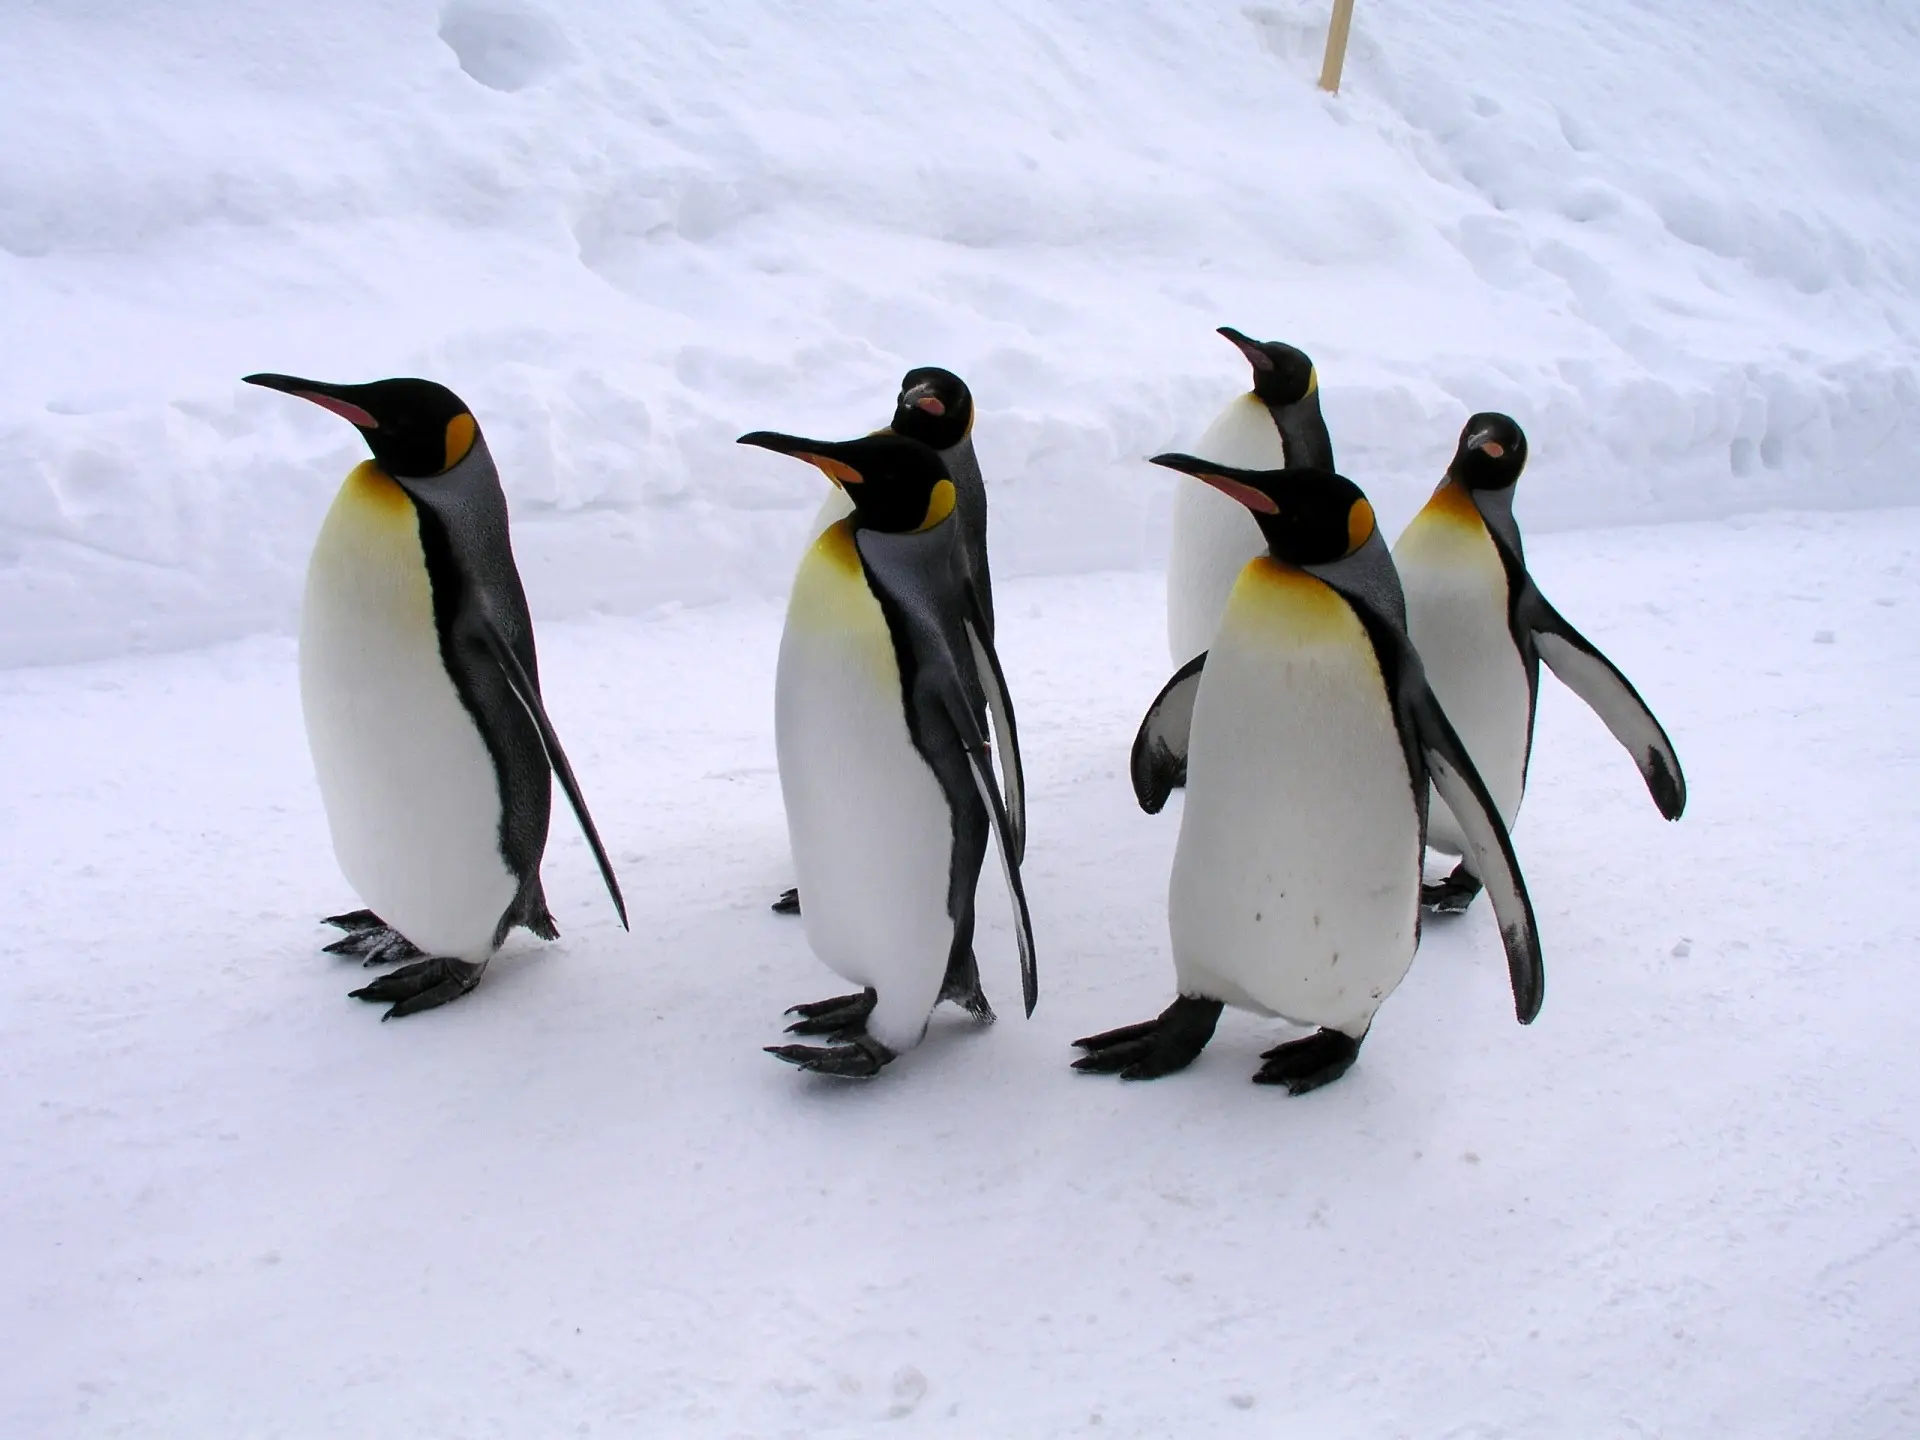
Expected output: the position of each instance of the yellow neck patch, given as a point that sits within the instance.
(461, 432)
(939, 506)
(372, 491)
(1313, 380)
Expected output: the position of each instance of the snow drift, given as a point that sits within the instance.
(1678, 246)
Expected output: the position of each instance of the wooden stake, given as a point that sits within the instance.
(1336, 60)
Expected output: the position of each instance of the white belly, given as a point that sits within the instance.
(1214, 537)
(1296, 879)
(870, 828)
(409, 789)
(1456, 594)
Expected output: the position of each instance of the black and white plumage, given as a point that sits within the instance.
(420, 687)
(1482, 628)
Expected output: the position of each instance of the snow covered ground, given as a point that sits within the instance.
(1677, 241)
(582, 1202)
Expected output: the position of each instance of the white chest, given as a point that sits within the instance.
(1457, 599)
(1296, 878)
(1213, 536)
(409, 788)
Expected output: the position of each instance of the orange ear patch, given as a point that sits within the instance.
(1248, 496)
(838, 471)
(460, 436)
(1360, 525)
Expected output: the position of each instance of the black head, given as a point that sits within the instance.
(415, 428)
(896, 483)
(935, 407)
(1282, 375)
(1310, 517)
(1492, 453)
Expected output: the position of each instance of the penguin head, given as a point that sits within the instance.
(1309, 517)
(1492, 453)
(1282, 375)
(896, 483)
(935, 407)
(415, 428)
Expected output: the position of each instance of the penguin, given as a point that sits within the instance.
(1275, 426)
(935, 407)
(1296, 878)
(421, 693)
(883, 672)
(1482, 627)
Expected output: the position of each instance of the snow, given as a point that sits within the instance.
(1675, 241)
(581, 1201)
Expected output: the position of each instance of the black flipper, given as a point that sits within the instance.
(529, 696)
(1611, 696)
(920, 584)
(1460, 785)
(1000, 708)
(1159, 762)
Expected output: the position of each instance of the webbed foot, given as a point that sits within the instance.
(788, 903)
(422, 985)
(1169, 1042)
(859, 1059)
(842, 1017)
(371, 939)
(962, 987)
(1309, 1062)
(1452, 895)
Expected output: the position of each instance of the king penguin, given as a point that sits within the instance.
(1296, 879)
(1275, 426)
(884, 670)
(1482, 627)
(935, 407)
(421, 693)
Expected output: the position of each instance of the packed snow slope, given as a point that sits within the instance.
(1678, 242)
(581, 1202)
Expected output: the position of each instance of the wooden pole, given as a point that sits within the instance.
(1337, 29)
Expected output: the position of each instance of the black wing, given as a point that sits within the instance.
(1000, 707)
(1159, 761)
(529, 696)
(919, 581)
(1609, 694)
(1460, 785)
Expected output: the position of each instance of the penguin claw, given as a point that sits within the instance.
(860, 1059)
(1170, 1041)
(788, 903)
(1309, 1062)
(422, 985)
(378, 943)
(1452, 895)
(355, 920)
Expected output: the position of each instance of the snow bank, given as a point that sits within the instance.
(1678, 246)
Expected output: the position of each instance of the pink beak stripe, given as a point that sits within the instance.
(342, 408)
(931, 404)
(1248, 496)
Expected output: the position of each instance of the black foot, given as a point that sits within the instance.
(788, 903)
(422, 985)
(355, 920)
(842, 1017)
(1452, 895)
(376, 943)
(1309, 1062)
(1154, 1047)
(860, 1059)
(962, 987)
